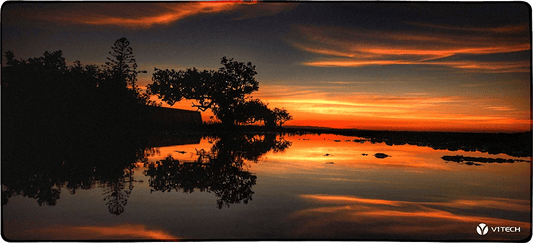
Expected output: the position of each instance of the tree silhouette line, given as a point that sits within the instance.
(224, 91)
(45, 93)
(84, 126)
(46, 102)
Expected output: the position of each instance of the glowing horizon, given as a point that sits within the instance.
(410, 112)
(348, 65)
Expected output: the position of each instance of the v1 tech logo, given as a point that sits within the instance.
(483, 229)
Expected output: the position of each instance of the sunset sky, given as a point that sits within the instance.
(372, 65)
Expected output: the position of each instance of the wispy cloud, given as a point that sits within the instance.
(146, 15)
(499, 29)
(336, 82)
(357, 47)
(501, 108)
(142, 15)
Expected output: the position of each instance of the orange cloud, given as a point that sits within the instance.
(346, 47)
(134, 15)
(500, 108)
(161, 14)
(146, 15)
(490, 67)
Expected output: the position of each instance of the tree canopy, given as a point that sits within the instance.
(46, 92)
(44, 87)
(225, 91)
(120, 72)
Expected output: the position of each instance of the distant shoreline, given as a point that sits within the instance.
(338, 131)
(517, 144)
(514, 144)
(370, 130)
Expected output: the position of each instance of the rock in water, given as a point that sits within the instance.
(381, 155)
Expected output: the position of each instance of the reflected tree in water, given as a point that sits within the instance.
(72, 167)
(250, 147)
(117, 192)
(77, 127)
(117, 181)
(231, 184)
(43, 190)
(219, 171)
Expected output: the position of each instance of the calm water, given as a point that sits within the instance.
(267, 187)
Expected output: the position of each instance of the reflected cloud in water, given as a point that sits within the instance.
(91, 233)
(349, 217)
(412, 194)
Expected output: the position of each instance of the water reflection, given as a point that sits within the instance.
(513, 144)
(51, 170)
(129, 232)
(44, 166)
(350, 217)
(117, 191)
(219, 170)
(320, 187)
(110, 165)
(471, 160)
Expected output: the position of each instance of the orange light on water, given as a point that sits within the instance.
(126, 231)
(392, 218)
(114, 232)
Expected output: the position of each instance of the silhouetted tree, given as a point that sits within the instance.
(252, 111)
(221, 91)
(224, 91)
(39, 95)
(281, 116)
(44, 95)
(122, 65)
(121, 74)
